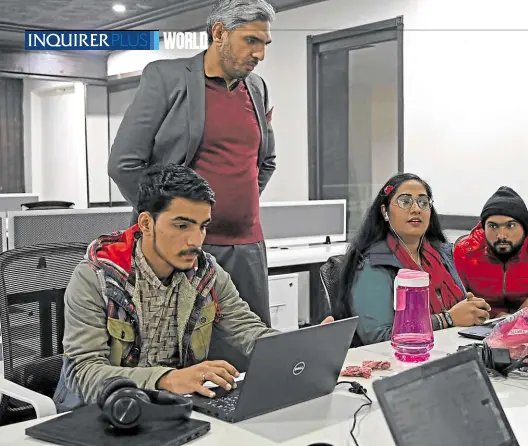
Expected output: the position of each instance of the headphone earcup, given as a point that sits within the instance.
(110, 385)
(123, 408)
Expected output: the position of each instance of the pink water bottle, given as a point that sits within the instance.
(412, 331)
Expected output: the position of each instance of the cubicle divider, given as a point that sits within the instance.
(303, 222)
(27, 228)
(3, 231)
(295, 234)
(283, 223)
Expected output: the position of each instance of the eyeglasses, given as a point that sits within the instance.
(406, 201)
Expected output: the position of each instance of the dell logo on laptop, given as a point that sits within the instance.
(299, 368)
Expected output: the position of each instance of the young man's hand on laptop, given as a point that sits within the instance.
(191, 379)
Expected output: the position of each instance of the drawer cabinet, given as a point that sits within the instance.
(284, 301)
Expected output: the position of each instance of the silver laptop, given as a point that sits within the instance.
(450, 401)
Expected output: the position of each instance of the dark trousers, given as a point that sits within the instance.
(248, 267)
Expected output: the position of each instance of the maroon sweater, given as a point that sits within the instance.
(227, 159)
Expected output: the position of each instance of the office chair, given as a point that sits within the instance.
(32, 284)
(330, 274)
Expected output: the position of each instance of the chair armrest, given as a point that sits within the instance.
(43, 405)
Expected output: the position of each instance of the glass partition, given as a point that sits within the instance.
(56, 135)
(54, 140)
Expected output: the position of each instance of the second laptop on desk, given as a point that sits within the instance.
(481, 332)
(285, 369)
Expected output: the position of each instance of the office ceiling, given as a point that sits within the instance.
(80, 14)
(16, 16)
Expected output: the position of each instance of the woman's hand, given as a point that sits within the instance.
(471, 311)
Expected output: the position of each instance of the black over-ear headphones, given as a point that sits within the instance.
(125, 406)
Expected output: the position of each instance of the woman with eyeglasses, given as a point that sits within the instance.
(402, 230)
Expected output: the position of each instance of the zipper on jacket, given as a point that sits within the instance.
(504, 269)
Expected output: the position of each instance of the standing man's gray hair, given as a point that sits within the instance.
(235, 13)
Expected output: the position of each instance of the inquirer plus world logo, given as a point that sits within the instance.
(185, 40)
(59, 40)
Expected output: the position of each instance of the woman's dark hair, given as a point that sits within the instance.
(375, 229)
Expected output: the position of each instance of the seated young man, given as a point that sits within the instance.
(144, 301)
(493, 259)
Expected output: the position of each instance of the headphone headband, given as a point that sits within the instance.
(160, 399)
(125, 406)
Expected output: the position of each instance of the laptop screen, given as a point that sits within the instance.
(452, 406)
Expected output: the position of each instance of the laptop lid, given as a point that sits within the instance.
(85, 426)
(450, 401)
(480, 332)
(295, 366)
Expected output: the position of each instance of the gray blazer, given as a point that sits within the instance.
(165, 123)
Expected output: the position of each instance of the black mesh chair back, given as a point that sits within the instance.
(32, 284)
(331, 277)
(330, 274)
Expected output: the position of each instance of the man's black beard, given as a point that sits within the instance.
(504, 257)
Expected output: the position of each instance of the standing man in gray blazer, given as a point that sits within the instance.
(211, 113)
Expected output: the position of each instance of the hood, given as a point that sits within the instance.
(116, 248)
(472, 242)
(476, 237)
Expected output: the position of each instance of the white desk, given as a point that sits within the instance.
(329, 419)
(512, 391)
(303, 255)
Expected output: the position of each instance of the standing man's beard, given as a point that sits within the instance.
(228, 63)
(504, 256)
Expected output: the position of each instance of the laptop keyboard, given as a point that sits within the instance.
(225, 401)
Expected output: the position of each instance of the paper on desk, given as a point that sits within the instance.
(210, 384)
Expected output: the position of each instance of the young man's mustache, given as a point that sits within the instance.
(190, 252)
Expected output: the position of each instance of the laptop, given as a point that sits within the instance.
(450, 401)
(86, 427)
(481, 332)
(284, 369)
